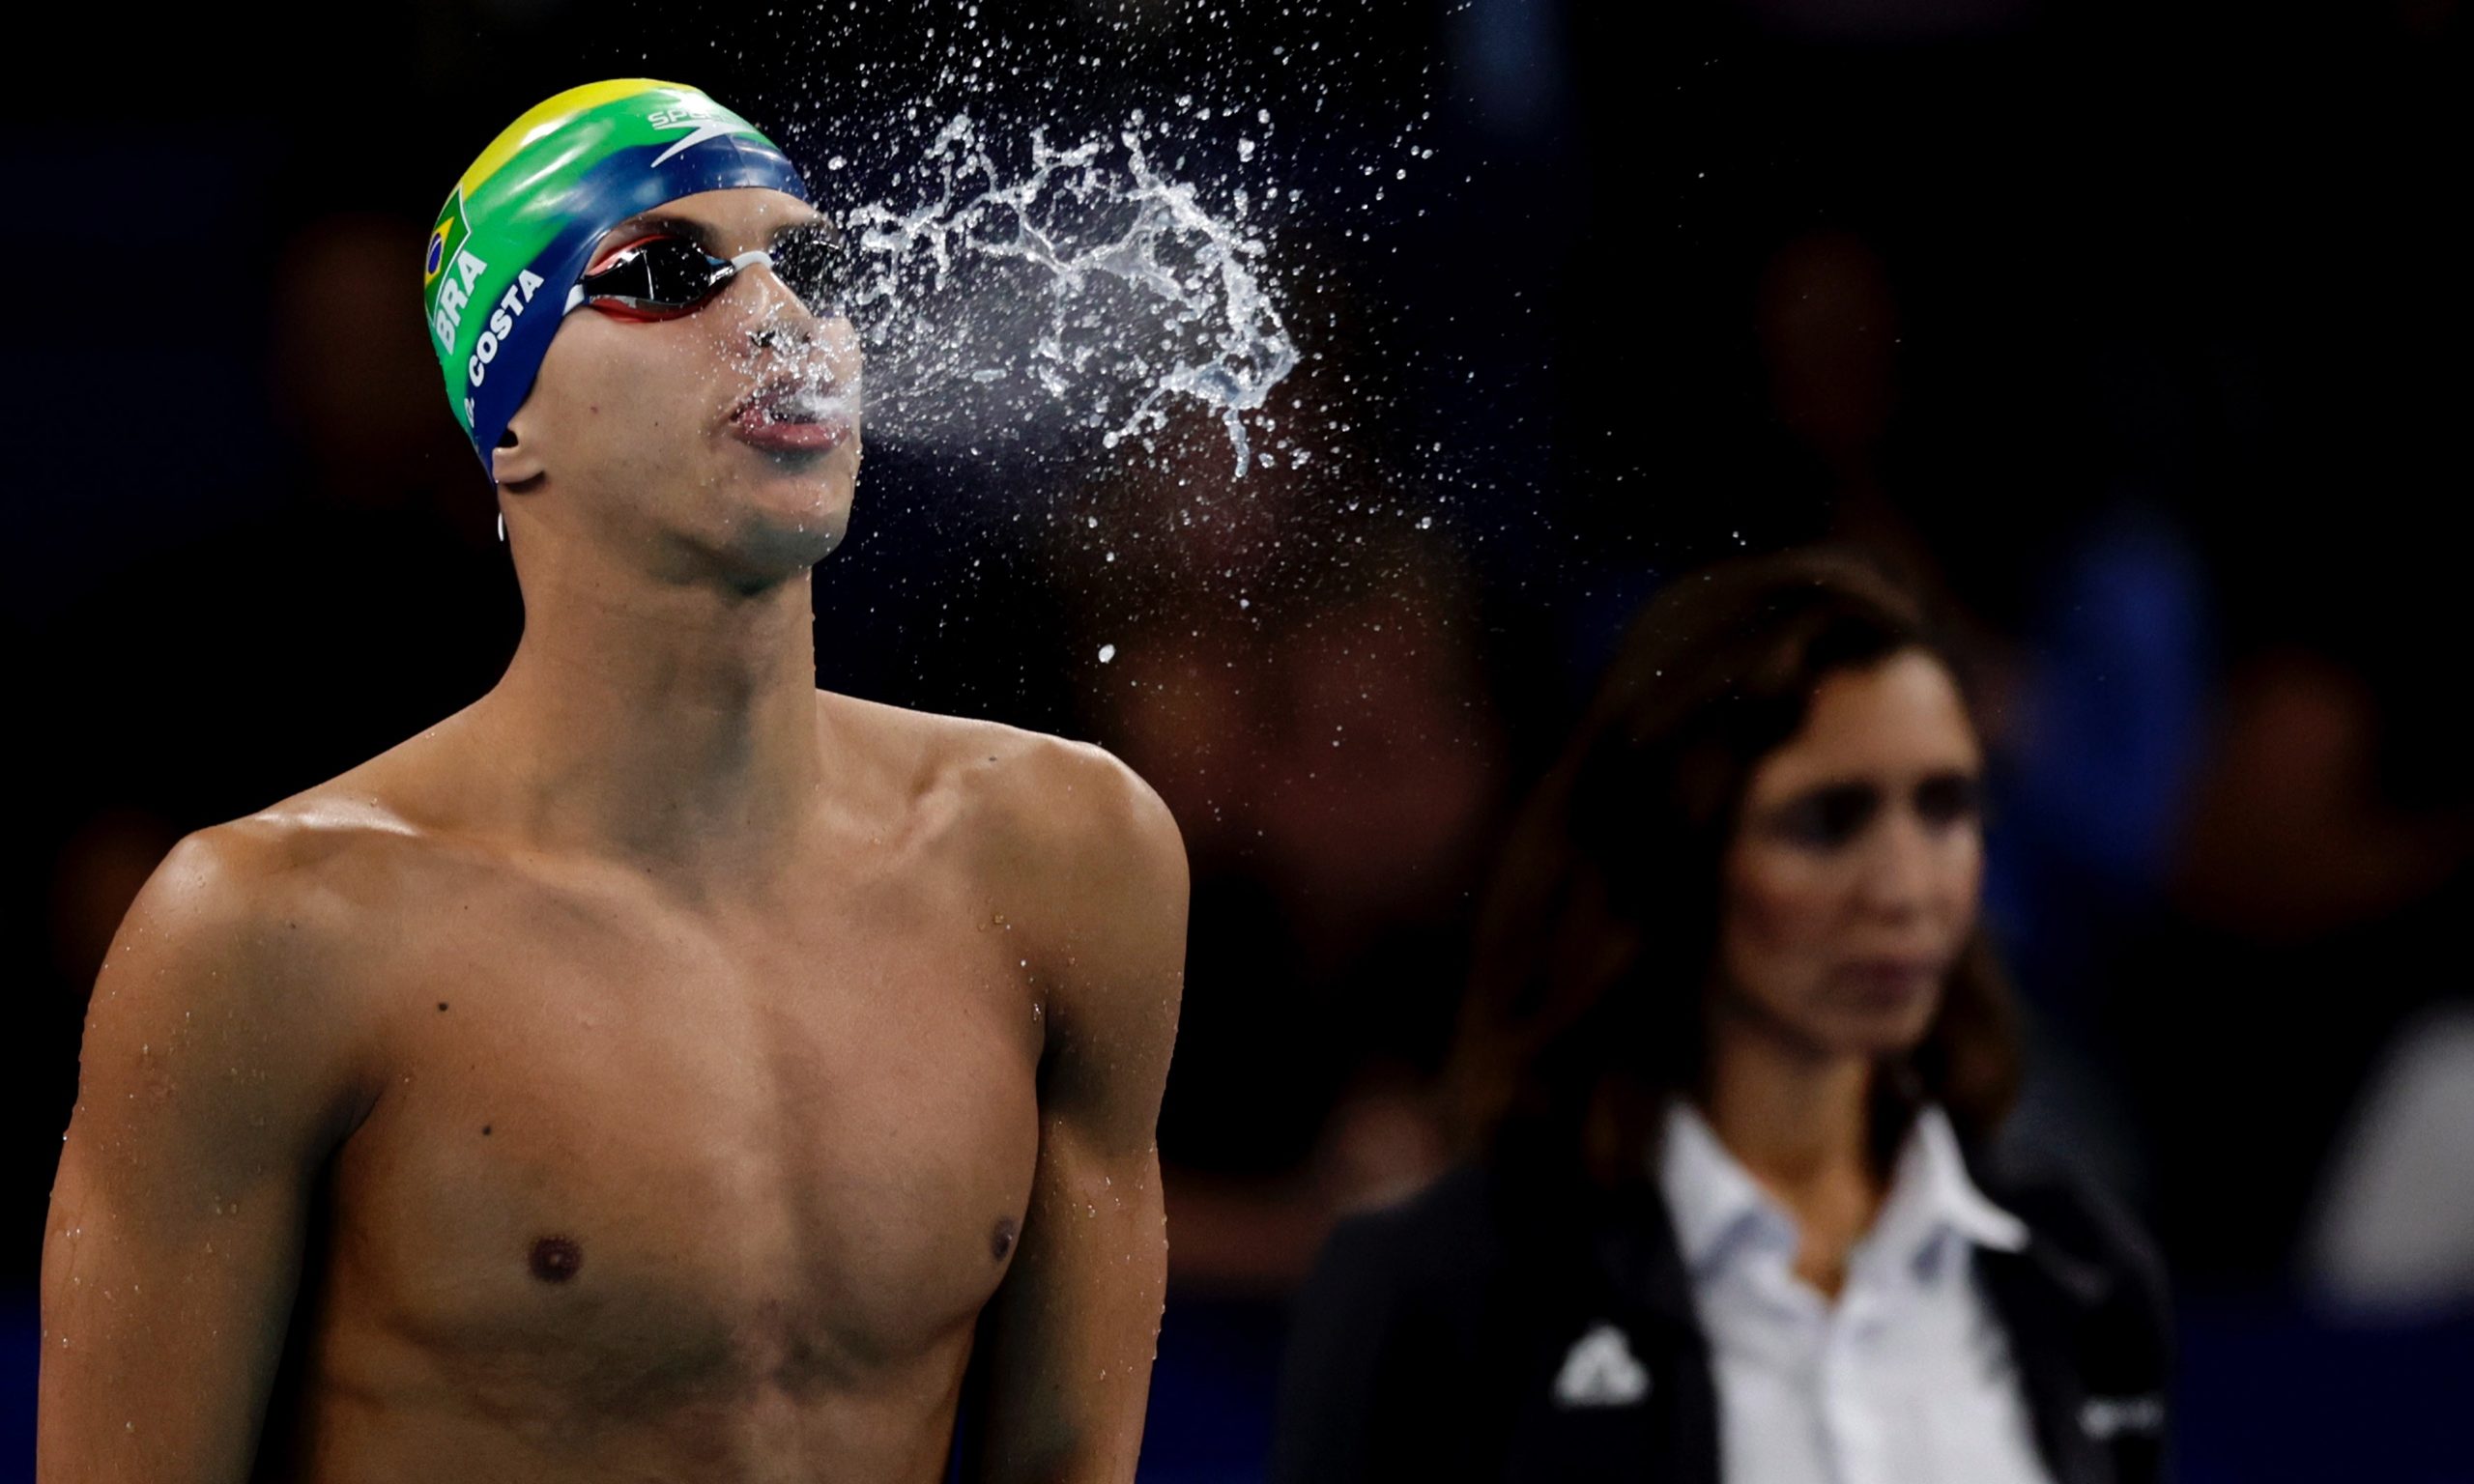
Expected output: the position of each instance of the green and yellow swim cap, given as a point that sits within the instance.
(519, 228)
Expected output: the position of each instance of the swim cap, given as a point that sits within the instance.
(515, 235)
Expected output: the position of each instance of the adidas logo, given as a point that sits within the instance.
(1601, 1371)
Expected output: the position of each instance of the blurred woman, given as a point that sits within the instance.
(1733, 1054)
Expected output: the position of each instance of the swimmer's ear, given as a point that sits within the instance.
(513, 461)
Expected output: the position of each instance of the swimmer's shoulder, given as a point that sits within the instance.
(1041, 805)
(302, 867)
(250, 926)
(334, 859)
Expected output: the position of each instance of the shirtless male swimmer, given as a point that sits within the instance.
(659, 1071)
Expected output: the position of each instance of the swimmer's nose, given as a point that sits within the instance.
(785, 321)
(781, 307)
(827, 346)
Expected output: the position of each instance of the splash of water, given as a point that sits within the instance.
(1086, 289)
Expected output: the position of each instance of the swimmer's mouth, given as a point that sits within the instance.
(796, 414)
(798, 401)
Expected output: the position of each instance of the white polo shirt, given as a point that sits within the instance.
(1908, 1379)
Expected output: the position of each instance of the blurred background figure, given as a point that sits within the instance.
(1733, 1064)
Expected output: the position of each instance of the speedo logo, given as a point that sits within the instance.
(703, 120)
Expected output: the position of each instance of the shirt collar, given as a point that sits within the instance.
(1712, 1200)
(1715, 1203)
(1931, 1192)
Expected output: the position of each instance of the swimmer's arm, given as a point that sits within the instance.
(1072, 1332)
(207, 1097)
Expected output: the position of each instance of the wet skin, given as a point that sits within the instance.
(580, 1177)
(659, 1070)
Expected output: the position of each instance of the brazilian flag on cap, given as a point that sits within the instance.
(516, 233)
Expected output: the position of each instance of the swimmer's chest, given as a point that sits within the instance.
(670, 1157)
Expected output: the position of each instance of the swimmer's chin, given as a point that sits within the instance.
(802, 543)
(769, 547)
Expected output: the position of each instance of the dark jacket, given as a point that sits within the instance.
(1427, 1343)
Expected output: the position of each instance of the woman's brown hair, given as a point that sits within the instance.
(1596, 945)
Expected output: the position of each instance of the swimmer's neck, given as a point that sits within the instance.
(674, 723)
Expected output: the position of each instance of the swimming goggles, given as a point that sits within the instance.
(665, 276)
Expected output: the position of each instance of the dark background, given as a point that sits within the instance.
(2137, 332)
